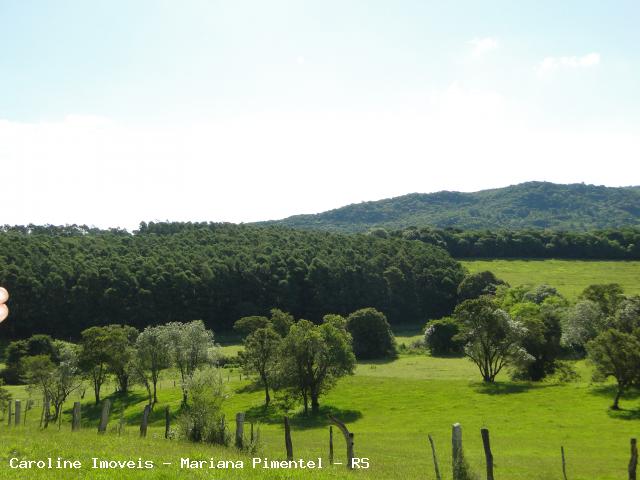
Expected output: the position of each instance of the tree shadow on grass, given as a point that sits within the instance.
(609, 390)
(507, 388)
(119, 402)
(275, 414)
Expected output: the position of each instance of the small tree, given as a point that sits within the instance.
(313, 357)
(260, 356)
(191, 347)
(202, 419)
(440, 337)
(371, 333)
(476, 284)
(492, 339)
(616, 354)
(153, 351)
(55, 382)
(607, 296)
(583, 322)
(5, 396)
(248, 325)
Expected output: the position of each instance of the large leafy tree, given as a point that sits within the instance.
(153, 354)
(313, 357)
(260, 356)
(616, 351)
(192, 347)
(492, 339)
(371, 333)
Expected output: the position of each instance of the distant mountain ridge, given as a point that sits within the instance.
(543, 205)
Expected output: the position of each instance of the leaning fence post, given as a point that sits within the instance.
(17, 414)
(330, 445)
(564, 464)
(348, 436)
(487, 452)
(456, 450)
(287, 439)
(145, 420)
(104, 417)
(239, 430)
(75, 422)
(633, 463)
(435, 458)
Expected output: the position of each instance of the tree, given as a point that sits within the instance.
(542, 338)
(281, 321)
(55, 382)
(477, 284)
(106, 350)
(248, 325)
(607, 296)
(616, 354)
(191, 348)
(260, 356)
(441, 337)
(313, 357)
(616, 351)
(583, 322)
(492, 339)
(153, 349)
(35, 345)
(371, 333)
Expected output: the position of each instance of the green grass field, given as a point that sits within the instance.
(570, 277)
(390, 406)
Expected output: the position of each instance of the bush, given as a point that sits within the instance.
(439, 337)
(372, 335)
(202, 420)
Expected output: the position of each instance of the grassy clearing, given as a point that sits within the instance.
(570, 277)
(391, 407)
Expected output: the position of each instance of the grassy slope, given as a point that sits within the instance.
(570, 277)
(391, 407)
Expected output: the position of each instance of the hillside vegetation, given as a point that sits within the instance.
(65, 279)
(527, 205)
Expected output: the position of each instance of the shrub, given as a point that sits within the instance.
(439, 337)
(372, 335)
(202, 420)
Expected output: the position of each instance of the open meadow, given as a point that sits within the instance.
(390, 406)
(570, 277)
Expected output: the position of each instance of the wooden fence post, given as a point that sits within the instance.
(75, 422)
(239, 430)
(348, 436)
(45, 410)
(564, 464)
(104, 417)
(145, 420)
(435, 458)
(287, 439)
(252, 438)
(9, 413)
(456, 452)
(330, 445)
(633, 463)
(487, 452)
(17, 414)
(167, 422)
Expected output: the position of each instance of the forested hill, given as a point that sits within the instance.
(65, 279)
(575, 207)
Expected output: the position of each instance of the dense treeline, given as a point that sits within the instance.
(618, 244)
(65, 279)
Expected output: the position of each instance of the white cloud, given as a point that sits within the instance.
(274, 164)
(552, 64)
(481, 46)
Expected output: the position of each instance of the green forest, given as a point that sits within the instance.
(65, 279)
(538, 205)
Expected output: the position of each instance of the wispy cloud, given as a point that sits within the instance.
(552, 64)
(481, 46)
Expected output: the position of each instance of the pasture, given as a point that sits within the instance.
(390, 406)
(570, 277)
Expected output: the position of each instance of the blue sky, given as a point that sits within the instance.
(122, 111)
